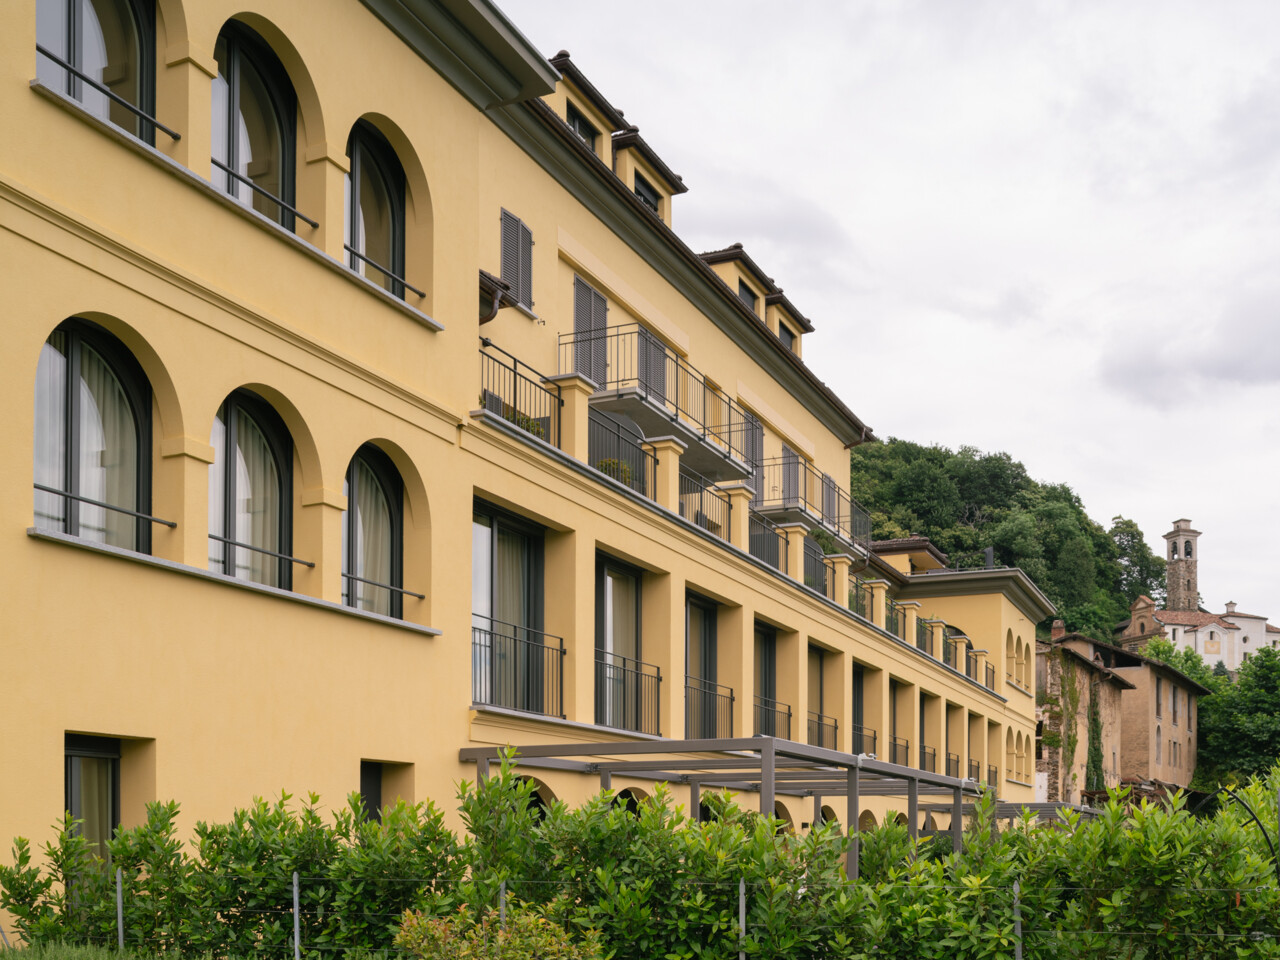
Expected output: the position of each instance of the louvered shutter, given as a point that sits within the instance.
(652, 358)
(830, 499)
(755, 454)
(790, 475)
(599, 340)
(525, 243)
(590, 323)
(511, 251)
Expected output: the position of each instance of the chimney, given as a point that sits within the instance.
(1059, 630)
(1231, 607)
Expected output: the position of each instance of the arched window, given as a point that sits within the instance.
(1173, 549)
(1186, 549)
(250, 492)
(254, 122)
(375, 209)
(372, 534)
(92, 438)
(109, 41)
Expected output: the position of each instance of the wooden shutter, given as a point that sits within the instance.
(755, 456)
(517, 257)
(525, 244)
(590, 325)
(790, 474)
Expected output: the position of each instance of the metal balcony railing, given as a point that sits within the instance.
(895, 619)
(508, 389)
(928, 759)
(773, 718)
(822, 730)
(627, 693)
(924, 637)
(900, 751)
(993, 776)
(991, 677)
(971, 665)
(767, 542)
(863, 739)
(975, 770)
(516, 667)
(819, 573)
(704, 504)
(708, 709)
(860, 599)
(953, 765)
(630, 358)
(949, 652)
(616, 450)
(791, 483)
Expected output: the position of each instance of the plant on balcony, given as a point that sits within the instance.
(529, 424)
(620, 470)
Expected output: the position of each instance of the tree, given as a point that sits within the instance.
(1141, 571)
(1240, 723)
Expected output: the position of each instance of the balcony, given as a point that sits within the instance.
(928, 759)
(773, 718)
(704, 504)
(516, 667)
(953, 765)
(975, 770)
(863, 739)
(900, 751)
(627, 693)
(822, 731)
(513, 391)
(615, 448)
(819, 575)
(766, 542)
(792, 491)
(895, 619)
(924, 637)
(993, 776)
(639, 377)
(708, 709)
(990, 680)
(860, 599)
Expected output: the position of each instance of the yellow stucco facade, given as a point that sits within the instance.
(218, 689)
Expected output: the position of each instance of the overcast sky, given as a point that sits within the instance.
(1046, 228)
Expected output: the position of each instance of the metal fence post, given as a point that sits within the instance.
(502, 904)
(742, 918)
(4, 939)
(297, 921)
(1017, 922)
(120, 908)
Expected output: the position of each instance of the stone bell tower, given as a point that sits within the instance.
(1181, 584)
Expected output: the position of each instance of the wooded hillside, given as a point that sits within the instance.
(966, 500)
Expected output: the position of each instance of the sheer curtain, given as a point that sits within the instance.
(108, 454)
(372, 547)
(257, 504)
(93, 776)
(217, 493)
(510, 610)
(481, 610)
(51, 433)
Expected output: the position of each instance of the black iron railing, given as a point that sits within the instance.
(231, 562)
(924, 637)
(819, 574)
(508, 389)
(146, 118)
(766, 541)
(627, 693)
(616, 450)
(822, 730)
(948, 652)
(708, 709)
(991, 677)
(975, 770)
(953, 765)
(773, 718)
(993, 776)
(103, 505)
(863, 739)
(793, 484)
(398, 283)
(971, 665)
(860, 599)
(265, 194)
(900, 751)
(895, 619)
(516, 667)
(928, 759)
(704, 504)
(629, 357)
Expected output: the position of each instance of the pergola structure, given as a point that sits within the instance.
(764, 765)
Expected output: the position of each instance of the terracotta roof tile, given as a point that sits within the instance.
(1192, 618)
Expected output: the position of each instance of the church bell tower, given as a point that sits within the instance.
(1181, 584)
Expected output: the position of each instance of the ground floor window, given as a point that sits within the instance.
(93, 788)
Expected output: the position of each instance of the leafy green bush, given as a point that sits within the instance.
(526, 934)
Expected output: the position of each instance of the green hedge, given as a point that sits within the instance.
(1149, 882)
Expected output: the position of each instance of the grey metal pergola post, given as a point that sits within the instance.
(851, 858)
(695, 799)
(768, 767)
(606, 779)
(913, 808)
(957, 822)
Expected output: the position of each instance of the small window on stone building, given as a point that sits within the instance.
(1159, 743)
(1039, 739)
(1186, 549)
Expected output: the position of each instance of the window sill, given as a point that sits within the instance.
(182, 568)
(521, 308)
(1019, 687)
(172, 166)
(505, 713)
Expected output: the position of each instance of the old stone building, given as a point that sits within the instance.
(1181, 582)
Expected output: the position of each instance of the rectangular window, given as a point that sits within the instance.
(766, 659)
(816, 656)
(747, 295)
(1159, 697)
(590, 333)
(859, 678)
(1173, 691)
(626, 687)
(580, 125)
(708, 707)
(787, 337)
(517, 258)
(371, 789)
(648, 195)
(92, 787)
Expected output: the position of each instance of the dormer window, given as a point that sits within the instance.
(787, 337)
(647, 193)
(747, 295)
(583, 127)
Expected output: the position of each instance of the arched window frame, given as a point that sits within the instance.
(137, 389)
(366, 144)
(244, 43)
(392, 484)
(237, 404)
(142, 13)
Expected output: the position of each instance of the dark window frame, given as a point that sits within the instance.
(648, 194)
(239, 403)
(535, 535)
(392, 484)
(243, 41)
(709, 666)
(577, 120)
(143, 15)
(371, 772)
(367, 144)
(516, 266)
(787, 336)
(604, 563)
(137, 389)
(80, 745)
(747, 295)
(766, 680)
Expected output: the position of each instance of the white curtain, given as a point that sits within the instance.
(51, 433)
(96, 788)
(371, 525)
(257, 504)
(217, 493)
(108, 455)
(481, 609)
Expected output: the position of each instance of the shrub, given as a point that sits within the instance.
(525, 935)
